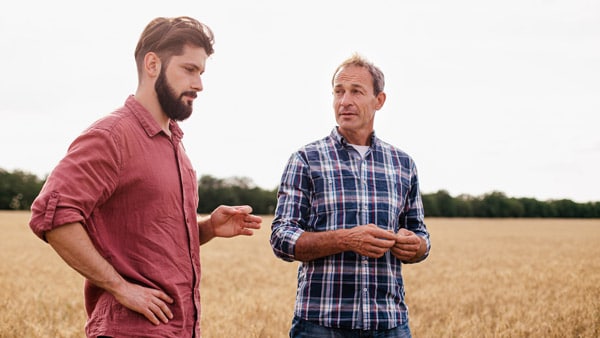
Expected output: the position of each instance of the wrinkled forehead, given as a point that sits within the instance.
(354, 76)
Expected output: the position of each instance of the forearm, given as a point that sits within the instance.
(314, 245)
(74, 246)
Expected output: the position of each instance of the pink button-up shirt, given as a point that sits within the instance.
(135, 191)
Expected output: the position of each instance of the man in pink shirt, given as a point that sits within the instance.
(120, 207)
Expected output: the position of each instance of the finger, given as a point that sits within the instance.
(252, 225)
(407, 252)
(384, 243)
(378, 252)
(150, 316)
(405, 232)
(163, 296)
(372, 254)
(158, 313)
(408, 240)
(227, 210)
(381, 233)
(253, 219)
(407, 247)
(165, 313)
(401, 255)
(243, 208)
(246, 232)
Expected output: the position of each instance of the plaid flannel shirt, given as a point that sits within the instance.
(328, 185)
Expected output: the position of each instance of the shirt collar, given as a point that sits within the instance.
(335, 134)
(147, 121)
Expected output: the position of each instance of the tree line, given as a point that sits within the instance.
(497, 204)
(18, 189)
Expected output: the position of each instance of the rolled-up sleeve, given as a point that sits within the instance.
(414, 219)
(292, 208)
(84, 178)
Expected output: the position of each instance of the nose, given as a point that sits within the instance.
(344, 99)
(197, 84)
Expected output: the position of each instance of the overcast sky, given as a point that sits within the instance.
(484, 95)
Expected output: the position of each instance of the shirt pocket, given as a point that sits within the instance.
(335, 202)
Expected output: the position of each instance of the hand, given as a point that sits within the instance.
(230, 221)
(149, 302)
(369, 240)
(407, 245)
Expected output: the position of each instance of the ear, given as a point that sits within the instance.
(152, 64)
(380, 100)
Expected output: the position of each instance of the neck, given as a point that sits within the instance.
(150, 102)
(360, 138)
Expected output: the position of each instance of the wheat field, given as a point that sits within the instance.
(484, 278)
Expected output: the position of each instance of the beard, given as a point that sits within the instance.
(174, 106)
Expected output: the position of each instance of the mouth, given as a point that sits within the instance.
(346, 114)
(346, 111)
(190, 95)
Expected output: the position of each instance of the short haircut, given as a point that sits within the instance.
(168, 36)
(359, 61)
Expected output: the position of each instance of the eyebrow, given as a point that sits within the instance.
(353, 85)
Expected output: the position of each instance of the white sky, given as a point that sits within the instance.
(484, 95)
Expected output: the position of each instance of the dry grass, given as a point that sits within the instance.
(508, 278)
(485, 278)
(39, 295)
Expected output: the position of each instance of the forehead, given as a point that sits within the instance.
(192, 55)
(353, 75)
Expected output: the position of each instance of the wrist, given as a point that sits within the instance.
(205, 228)
(342, 239)
(422, 248)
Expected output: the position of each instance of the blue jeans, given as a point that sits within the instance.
(304, 329)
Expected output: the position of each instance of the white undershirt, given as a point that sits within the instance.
(362, 150)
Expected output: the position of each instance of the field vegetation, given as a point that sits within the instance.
(18, 189)
(484, 278)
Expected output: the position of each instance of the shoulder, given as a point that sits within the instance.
(109, 131)
(115, 121)
(316, 145)
(314, 150)
(118, 125)
(394, 152)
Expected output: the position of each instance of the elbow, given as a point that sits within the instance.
(283, 256)
(282, 249)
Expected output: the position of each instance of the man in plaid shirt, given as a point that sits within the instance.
(349, 209)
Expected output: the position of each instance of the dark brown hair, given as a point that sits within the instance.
(167, 37)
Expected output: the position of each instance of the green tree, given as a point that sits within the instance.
(18, 189)
(213, 192)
